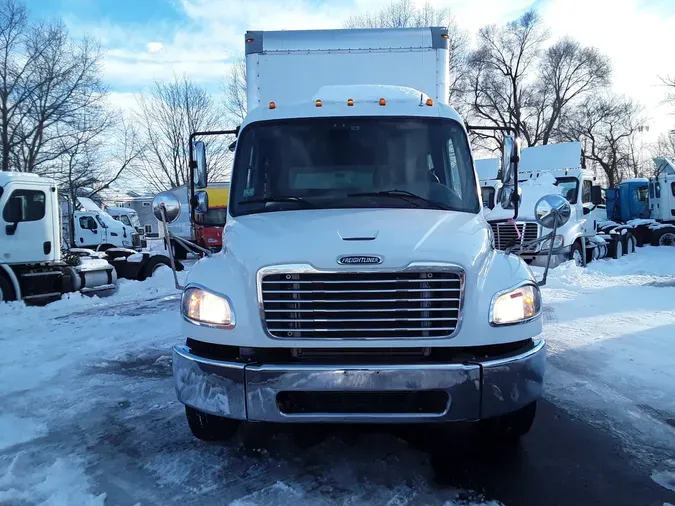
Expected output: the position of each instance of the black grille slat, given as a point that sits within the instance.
(505, 233)
(362, 305)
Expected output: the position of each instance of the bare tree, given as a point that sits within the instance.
(664, 146)
(235, 91)
(405, 14)
(605, 125)
(669, 82)
(498, 88)
(169, 113)
(568, 72)
(46, 81)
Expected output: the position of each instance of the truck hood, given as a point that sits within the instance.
(399, 236)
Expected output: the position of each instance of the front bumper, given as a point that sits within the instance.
(475, 390)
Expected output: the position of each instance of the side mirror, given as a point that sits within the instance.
(202, 202)
(510, 158)
(168, 202)
(596, 195)
(199, 153)
(552, 211)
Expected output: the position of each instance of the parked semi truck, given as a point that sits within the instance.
(209, 225)
(644, 208)
(358, 281)
(188, 230)
(557, 168)
(36, 263)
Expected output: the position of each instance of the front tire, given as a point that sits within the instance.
(6, 290)
(577, 254)
(511, 427)
(208, 427)
(664, 237)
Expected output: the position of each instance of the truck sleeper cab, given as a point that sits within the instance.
(357, 281)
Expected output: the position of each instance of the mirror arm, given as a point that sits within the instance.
(550, 253)
(191, 246)
(167, 234)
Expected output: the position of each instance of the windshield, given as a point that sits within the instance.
(570, 188)
(327, 162)
(488, 194)
(125, 220)
(135, 222)
(213, 217)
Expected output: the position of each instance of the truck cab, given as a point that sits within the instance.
(31, 265)
(662, 191)
(129, 218)
(209, 225)
(358, 282)
(544, 170)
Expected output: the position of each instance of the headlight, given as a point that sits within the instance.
(205, 308)
(515, 306)
(126, 243)
(558, 242)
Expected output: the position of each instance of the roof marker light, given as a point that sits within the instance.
(445, 35)
(350, 102)
(248, 41)
(273, 105)
(383, 101)
(430, 102)
(319, 103)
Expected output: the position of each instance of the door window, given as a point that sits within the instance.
(657, 189)
(148, 229)
(88, 223)
(642, 194)
(24, 205)
(587, 192)
(651, 190)
(672, 188)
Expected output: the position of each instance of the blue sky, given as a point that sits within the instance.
(153, 39)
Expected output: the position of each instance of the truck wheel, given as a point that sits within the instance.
(511, 427)
(629, 243)
(664, 237)
(616, 248)
(6, 289)
(210, 427)
(154, 263)
(577, 254)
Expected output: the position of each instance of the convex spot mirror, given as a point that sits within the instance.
(169, 202)
(201, 202)
(552, 211)
(199, 153)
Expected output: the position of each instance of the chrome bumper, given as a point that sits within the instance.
(476, 390)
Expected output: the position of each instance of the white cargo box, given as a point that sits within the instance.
(290, 66)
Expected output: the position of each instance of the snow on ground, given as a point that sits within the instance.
(611, 342)
(89, 414)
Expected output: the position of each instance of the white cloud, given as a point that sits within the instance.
(634, 33)
(154, 47)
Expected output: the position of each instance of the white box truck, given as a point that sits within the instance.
(358, 281)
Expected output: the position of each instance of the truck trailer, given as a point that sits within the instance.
(358, 281)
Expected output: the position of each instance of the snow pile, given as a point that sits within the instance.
(368, 93)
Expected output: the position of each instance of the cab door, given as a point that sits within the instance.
(26, 228)
(88, 233)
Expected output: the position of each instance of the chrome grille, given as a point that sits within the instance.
(362, 305)
(505, 233)
(136, 240)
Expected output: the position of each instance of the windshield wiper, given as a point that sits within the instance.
(266, 200)
(402, 194)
